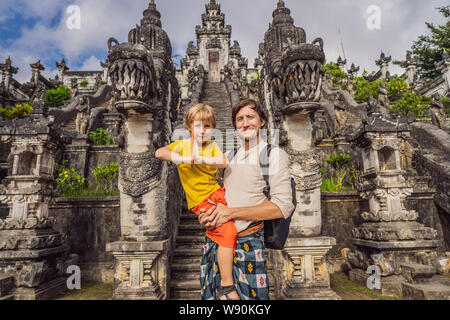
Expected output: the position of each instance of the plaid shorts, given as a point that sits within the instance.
(249, 268)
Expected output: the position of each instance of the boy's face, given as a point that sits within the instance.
(201, 131)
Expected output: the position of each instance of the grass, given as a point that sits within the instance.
(90, 192)
(349, 290)
(340, 284)
(89, 291)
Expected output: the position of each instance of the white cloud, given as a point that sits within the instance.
(91, 64)
(402, 22)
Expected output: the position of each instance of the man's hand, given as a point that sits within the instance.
(216, 216)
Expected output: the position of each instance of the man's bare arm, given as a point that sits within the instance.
(221, 214)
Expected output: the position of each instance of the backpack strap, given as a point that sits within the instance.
(232, 154)
(264, 164)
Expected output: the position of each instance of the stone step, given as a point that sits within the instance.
(177, 294)
(191, 229)
(414, 271)
(185, 284)
(192, 239)
(426, 291)
(185, 276)
(187, 260)
(184, 268)
(188, 252)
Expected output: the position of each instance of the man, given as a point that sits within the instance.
(247, 206)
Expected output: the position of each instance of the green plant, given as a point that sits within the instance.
(396, 88)
(106, 176)
(338, 161)
(338, 76)
(364, 89)
(56, 97)
(17, 111)
(100, 137)
(446, 103)
(84, 83)
(68, 180)
(410, 103)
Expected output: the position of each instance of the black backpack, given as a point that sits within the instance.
(276, 231)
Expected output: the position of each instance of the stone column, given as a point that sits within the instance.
(292, 84)
(7, 72)
(138, 72)
(62, 68)
(30, 250)
(383, 63)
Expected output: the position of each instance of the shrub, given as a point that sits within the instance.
(338, 162)
(364, 89)
(68, 180)
(56, 97)
(17, 111)
(338, 76)
(100, 137)
(106, 176)
(84, 83)
(446, 103)
(410, 103)
(397, 87)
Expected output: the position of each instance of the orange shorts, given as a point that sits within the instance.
(225, 235)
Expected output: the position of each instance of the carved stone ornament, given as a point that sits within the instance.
(139, 173)
(132, 74)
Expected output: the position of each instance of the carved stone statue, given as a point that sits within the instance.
(73, 88)
(383, 95)
(83, 116)
(438, 115)
(98, 82)
(340, 116)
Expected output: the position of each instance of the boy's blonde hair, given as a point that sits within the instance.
(201, 112)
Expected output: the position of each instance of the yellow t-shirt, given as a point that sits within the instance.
(198, 180)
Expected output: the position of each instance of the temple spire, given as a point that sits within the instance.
(281, 4)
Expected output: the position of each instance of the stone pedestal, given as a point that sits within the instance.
(140, 270)
(112, 122)
(304, 275)
(78, 153)
(390, 239)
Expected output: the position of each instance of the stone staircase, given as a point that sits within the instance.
(215, 95)
(185, 272)
(70, 125)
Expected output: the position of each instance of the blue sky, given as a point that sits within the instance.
(32, 30)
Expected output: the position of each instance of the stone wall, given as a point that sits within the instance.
(100, 155)
(89, 224)
(341, 212)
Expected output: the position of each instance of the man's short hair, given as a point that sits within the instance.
(249, 103)
(200, 112)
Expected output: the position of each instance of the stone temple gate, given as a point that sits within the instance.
(145, 240)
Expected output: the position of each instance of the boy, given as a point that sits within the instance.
(197, 160)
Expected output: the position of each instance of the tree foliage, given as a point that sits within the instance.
(56, 97)
(429, 48)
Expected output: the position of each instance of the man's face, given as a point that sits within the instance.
(201, 131)
(248, 123)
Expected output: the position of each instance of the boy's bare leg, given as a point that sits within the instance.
(225, 262)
